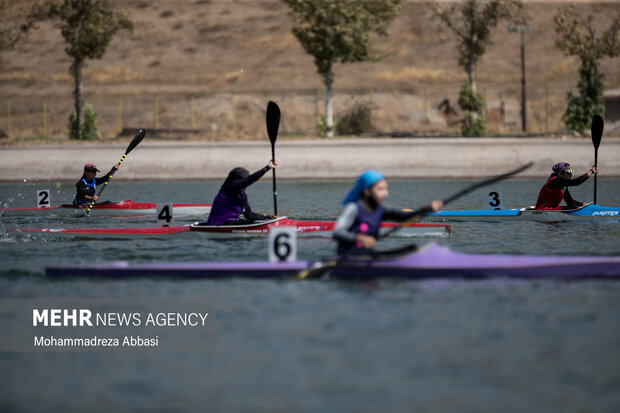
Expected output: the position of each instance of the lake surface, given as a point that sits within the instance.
(321, 345)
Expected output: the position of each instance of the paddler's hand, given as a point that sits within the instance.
(436, 205)
(92, 198)
(593, 170)
(366, 241)
(272, 165)
(118, 165)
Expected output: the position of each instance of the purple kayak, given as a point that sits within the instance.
(431, 261)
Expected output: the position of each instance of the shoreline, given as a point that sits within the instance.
(312, 159)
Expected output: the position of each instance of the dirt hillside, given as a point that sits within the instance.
(182, 47)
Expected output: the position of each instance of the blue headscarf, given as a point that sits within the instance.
(364, 181)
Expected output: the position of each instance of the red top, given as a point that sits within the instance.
(549, 199)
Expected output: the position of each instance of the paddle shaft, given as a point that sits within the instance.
(598, 124)
(275, 191)
(105, 184)
(416, 214)
(134, 142)
(596, 166)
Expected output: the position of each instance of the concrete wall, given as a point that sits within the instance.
(310, 159)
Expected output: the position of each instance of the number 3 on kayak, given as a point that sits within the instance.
(494, 200)
(165, 217)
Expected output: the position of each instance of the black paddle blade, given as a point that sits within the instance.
(315, 270)
(136, 140)
(597, 130)
(273, 121)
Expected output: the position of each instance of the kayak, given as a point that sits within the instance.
(255, 229)
(430, 261)
(588, 212)
(312, 227)
(122, 208)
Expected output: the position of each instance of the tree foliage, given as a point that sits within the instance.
(340, 31)
(577, 37)
(471, 22)
(472, 102)
(9, 31)
(88, 27)
(89, 129)
(356, 121)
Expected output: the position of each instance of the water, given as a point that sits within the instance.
(330, 346)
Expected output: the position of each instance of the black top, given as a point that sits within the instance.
(559, 183)
(83, 189)
(233, 186)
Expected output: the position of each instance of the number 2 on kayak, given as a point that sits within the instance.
(43, 198)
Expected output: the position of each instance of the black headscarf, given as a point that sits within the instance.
(234, 175)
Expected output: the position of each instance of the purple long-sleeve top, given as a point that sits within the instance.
(231, 202)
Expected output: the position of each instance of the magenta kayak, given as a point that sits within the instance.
(429, 262)
(258, 228)
(121, 208)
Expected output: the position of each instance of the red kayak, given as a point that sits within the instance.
(122, 208)
(257, 228)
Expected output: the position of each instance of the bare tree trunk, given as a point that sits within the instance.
(471, 73)
(329, 103)
(77, 94)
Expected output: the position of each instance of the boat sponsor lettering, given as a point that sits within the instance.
(606, 213)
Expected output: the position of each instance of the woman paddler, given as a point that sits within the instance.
(359, 223)
(231, 201)
(87, 184)
(556, 188)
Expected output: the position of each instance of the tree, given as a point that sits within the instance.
(9, 34)
(471, 21)
(578, 37)
(335, 31)
(88, 27)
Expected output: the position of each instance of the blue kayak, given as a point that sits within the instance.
(588, 212)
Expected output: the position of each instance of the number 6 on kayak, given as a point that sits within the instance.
(283, 244)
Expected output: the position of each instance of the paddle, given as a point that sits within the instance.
(134, 142)
(318, 269)
(597, 133)
(273, 123)
(422, 211)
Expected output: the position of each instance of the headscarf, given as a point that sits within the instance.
(562, 167)
(235, 175)
(364, 181)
